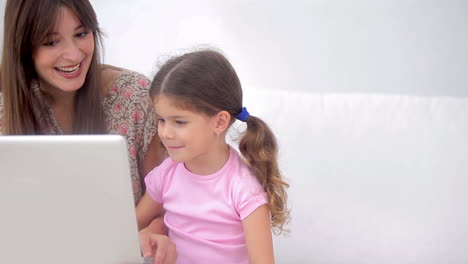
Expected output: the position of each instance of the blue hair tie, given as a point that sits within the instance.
(243, 115)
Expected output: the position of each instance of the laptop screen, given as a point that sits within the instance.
(66, 199)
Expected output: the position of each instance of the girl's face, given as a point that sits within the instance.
(63, 60)
(187, 135)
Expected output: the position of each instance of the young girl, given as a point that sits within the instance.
(219, 207)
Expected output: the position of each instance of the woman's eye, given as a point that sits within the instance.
(82, 34)
(50, 43)
(180, 122)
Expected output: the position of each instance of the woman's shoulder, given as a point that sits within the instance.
(117, 79)
(128, 107)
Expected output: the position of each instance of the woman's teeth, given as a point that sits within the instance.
(69, 69)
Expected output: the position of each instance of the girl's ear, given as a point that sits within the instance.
(222, 120)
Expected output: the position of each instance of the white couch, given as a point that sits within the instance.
(374, 178)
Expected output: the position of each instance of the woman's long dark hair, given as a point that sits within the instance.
(206, 82)
(26, 26)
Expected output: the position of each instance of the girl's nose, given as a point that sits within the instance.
(166, 131)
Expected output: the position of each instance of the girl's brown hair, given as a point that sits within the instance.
(206, 82)
(27, 24)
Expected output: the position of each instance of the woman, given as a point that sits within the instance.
(52, 82)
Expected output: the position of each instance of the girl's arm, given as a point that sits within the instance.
(157, 226)
(152, 243)
(258, 237)
(147, 210)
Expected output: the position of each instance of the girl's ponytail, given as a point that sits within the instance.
(259, 148)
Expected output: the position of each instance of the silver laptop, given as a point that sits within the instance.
(66, 199)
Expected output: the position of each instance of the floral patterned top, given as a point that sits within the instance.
(129, 111)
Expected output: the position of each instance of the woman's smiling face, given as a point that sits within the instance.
(63, 60)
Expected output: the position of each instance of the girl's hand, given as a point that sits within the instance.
(158, 246)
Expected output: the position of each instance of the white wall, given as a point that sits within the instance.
(410, 47)
(369, 103)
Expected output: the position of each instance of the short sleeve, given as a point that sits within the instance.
(249, 195)
(154, 181)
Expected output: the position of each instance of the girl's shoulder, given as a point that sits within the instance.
(165, 170)
(246, 191)
(241, 174)
(167, 164)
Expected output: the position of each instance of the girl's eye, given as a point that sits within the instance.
(82, 34)
(159, 122)
(180, 122)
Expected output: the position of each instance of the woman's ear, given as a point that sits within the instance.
(222, 120)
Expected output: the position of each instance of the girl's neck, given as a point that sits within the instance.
(210, 162)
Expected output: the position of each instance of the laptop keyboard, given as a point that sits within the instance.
(148, 261)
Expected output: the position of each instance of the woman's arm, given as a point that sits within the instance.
(154, 156)
(258, 237)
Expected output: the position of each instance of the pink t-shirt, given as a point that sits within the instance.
(204, 213)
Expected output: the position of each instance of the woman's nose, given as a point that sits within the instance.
(72, 52)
